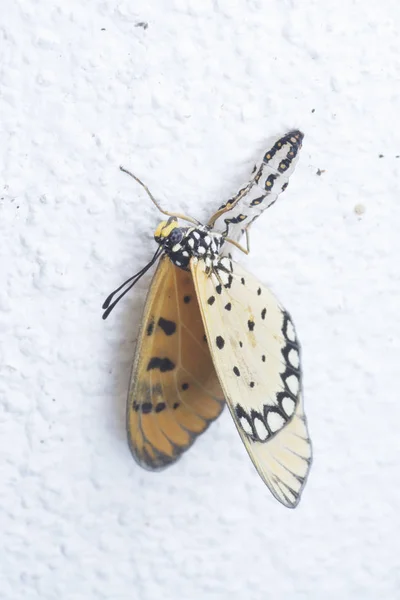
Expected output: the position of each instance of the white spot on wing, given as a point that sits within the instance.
(290, 333)
(246, 425)
(261, 430)
(275, 421)
(288, 405)
(201, 250)
(224, 277)
(293, 384)
(225, 262)
(294, 358)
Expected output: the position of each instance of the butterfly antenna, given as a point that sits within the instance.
(108, 305)
(164, 212)
(143, 186)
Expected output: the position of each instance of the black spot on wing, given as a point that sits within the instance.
(187, 299)
(228, 306)
(220, 342)
(168, 327)
(229, 282)
(163, 364)
(185, 386)
(147, 408)
(150, 327)
(160, 407)
(250, 324)
(263, 313)
(211, 300)
(236, 371)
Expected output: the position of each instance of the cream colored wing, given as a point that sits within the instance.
(256, 354)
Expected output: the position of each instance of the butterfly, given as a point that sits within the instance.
(212, 334)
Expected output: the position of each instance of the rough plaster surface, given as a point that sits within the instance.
(189, 103)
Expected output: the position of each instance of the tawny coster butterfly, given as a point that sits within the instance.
(212, 333)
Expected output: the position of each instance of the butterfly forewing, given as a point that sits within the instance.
(269, 179)
(174, 391)
(256, 354)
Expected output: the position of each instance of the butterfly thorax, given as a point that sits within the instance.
(181, 244)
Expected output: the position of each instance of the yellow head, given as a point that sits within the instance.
(164, 229)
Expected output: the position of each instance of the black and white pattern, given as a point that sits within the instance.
(183, 243)
(269, 179)
(256, 354)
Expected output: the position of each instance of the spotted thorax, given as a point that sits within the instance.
(183, 243)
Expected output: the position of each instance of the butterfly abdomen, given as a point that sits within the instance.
(270, 178)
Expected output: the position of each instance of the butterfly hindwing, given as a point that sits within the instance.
(174, 391)
(270, 177)
(256, 354)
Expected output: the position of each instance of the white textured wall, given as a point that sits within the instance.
(189, 103)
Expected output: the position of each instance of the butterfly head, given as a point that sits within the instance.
(173, 240)
(168, 233)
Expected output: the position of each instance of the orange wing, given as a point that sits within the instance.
(174, 392)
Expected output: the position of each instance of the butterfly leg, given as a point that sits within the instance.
(248, 240)
(239, 246)
(164, 212)
(245, 250)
